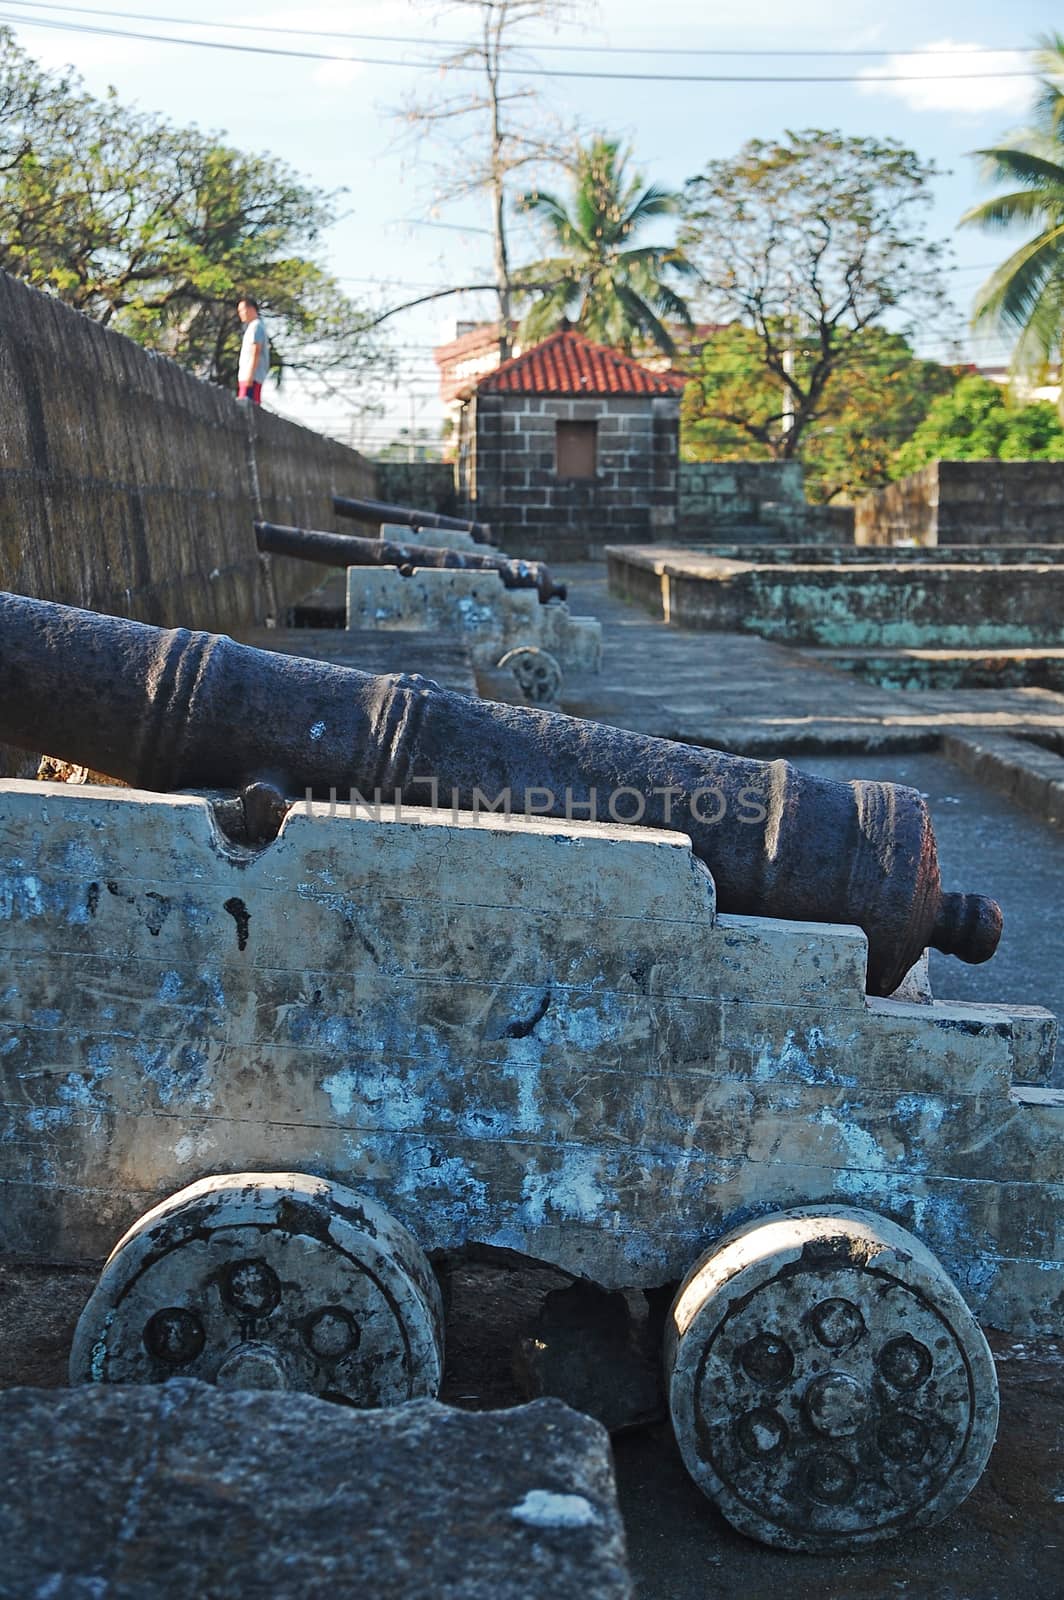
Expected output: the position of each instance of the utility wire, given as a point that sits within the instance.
(462, 44)
(525, 72)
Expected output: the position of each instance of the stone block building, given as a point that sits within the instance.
(569, 447)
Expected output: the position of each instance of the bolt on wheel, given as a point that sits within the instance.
(267, 1281)
(827, 1383)
(537, 673)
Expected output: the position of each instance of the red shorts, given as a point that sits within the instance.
(250, 391)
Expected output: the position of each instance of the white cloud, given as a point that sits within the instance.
(941, 79)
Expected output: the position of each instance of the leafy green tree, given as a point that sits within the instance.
(156, 230)
(867, 410)
(615, 290)
(1025, 295)
(977, 422)
(808, 242)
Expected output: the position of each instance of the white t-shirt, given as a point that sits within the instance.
(254, 353)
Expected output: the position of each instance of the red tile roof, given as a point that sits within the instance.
(567, 363)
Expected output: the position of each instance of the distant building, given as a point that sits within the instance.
(1001, 373)
(464, 360)
(568, 446)
(476, 350)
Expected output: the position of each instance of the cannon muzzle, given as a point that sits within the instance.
(347, 550)
(378, 511)
(169, 709)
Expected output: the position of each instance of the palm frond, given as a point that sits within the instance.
(1040, 339)
(645, 319)
(659, 256)
(1011, 294)
(540, 276)
(653, 202)
(1026, 163)
(669, 304)
(1049, 106)
(554, 213)
(1006, 210)
(546, 312)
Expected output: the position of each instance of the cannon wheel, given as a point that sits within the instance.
(537, 673)
(827, 1383)
(267, 1281)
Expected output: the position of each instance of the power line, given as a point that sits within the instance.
(455, 227)
(93, 30)
(390, 283)
(462, 44)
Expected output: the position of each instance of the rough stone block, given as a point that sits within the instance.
(180, 1490)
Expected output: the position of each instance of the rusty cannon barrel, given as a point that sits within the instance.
(170, 709)
(378, 511)
(348, 550)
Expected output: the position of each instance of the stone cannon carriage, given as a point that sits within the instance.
(489, 600)
(300, 1048)
(347, 550)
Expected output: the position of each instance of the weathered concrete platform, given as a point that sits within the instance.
(849, 555)
(757, 697)
(950, 669)
(180, 1490)
(888, 605)
(737, 692)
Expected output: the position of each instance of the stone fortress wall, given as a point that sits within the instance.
(129, 486)
(968, 503)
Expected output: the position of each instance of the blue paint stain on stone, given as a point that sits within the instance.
(180, 1075)
(100, 1057)
(798, 1060)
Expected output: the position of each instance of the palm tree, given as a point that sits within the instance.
(610, 288)
(1025, 295)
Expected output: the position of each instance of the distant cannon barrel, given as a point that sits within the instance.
(169, 709)
(379, 511)
(347, 550)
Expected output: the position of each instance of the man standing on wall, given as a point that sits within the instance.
(254, 352)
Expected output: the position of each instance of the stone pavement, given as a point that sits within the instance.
(745, 694)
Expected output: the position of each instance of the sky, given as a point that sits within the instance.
(335, 121)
